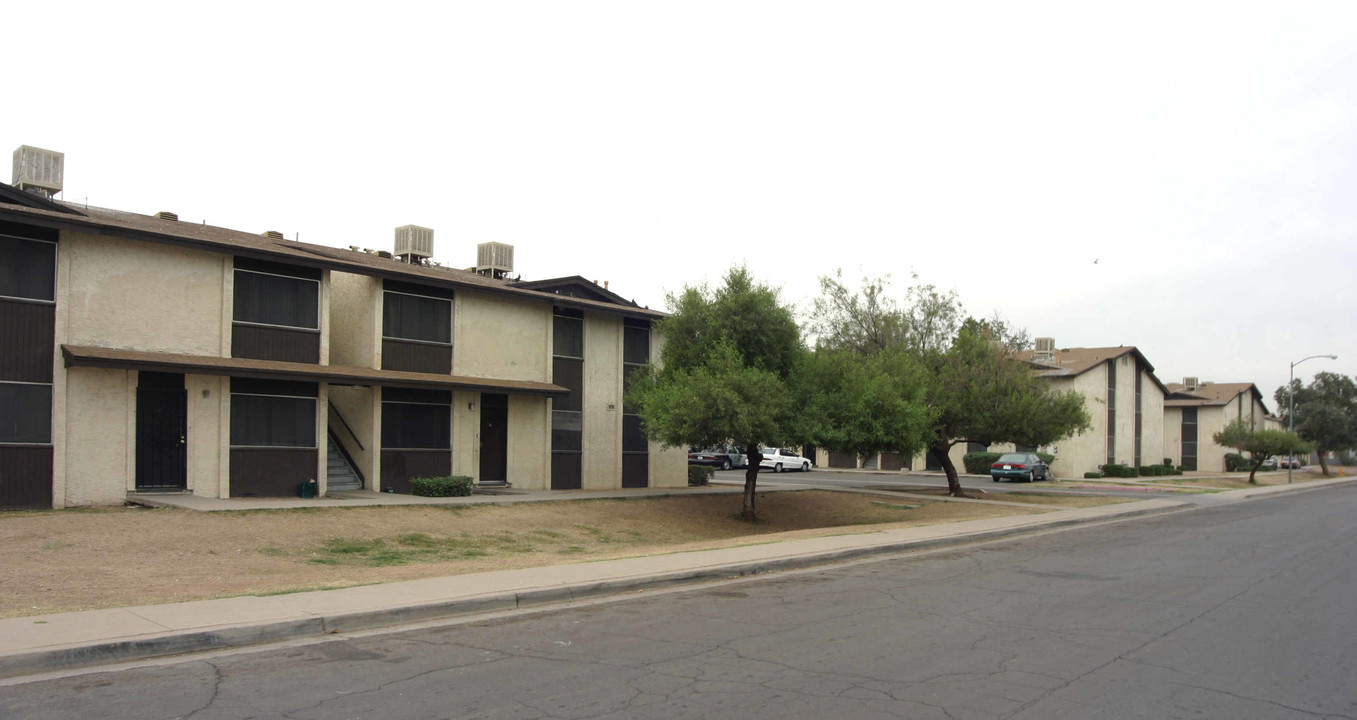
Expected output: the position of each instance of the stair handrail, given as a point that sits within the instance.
(358, 473)
(345, 423)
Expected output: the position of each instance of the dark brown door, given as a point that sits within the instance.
(494, 438)
(162, 432)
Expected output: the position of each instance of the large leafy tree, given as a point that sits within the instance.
(972, 386)
(723, 374)
(1325, 412)
(1261, 444)
(860, 403)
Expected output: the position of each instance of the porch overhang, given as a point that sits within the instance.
(119, 359)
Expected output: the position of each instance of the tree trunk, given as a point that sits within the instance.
(1322, 465)
(1256, 464)
(751, 478)
(945, 460)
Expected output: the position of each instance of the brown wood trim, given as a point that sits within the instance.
(635, 470)
(82, 356)
(893, 461)
(416, 357)
(25, 476)
(566, 472)
(843, 460)
(271, 472)
(400, 466)
(275, 343)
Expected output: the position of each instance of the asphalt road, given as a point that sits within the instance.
(1247, 610)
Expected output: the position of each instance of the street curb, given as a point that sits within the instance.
(181, 643)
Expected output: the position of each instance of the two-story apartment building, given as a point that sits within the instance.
(1195, 411)
(1124, 400)
(139, 353)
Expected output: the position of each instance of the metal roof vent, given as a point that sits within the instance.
(494, 259)
(38, 171)
(273, 235)
(167, 215)
(1191, 382)
(414, 244)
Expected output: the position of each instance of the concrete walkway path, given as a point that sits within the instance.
(47, 643)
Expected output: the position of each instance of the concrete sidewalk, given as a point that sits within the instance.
(54, 642)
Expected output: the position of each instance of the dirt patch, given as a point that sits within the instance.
(68, 560)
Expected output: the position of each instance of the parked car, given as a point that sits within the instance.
(779, 459)
(1270, 463)
(724, 458)
(1019, 466)
(1290, 462)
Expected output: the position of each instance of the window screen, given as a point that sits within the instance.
(273, 421)
(25, 413)
(276, 300)
(413, 317)
(27, 269)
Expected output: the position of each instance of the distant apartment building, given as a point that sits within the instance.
(1194, 411)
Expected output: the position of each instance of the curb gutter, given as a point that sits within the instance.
(190, 641)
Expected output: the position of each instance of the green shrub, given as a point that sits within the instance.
(1178, 470)
(1234, 462)
(1046, 457)
(1118, 470)
(700, 474)
(1155, 470)
(977, 463)
(445, 486)
(1093, 475)
(1168, 462)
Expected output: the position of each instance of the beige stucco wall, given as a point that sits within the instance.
(529, 442)
(1173, 434)
(466, 433)
(99, 430)
(496, 336)
(1084, 452)
(1151, 421)
(359, 408)
(140, 295)
(209, 434)
(355, 320)
(602, 461)
(1125, 419)
(100, 438)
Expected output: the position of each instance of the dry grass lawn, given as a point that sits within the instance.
(1241, 480)
(1061, 500)
(68, 560)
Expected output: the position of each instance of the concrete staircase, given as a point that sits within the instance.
(341, 474)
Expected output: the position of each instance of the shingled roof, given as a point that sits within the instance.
(116, 223)
(1209, 394)
(1072, 362)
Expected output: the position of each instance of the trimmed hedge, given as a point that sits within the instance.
(444, 486)
(1117, 470)
(1234, 462)
(700, 474)
(1093, 475)
(977, 463)
(1159, 470)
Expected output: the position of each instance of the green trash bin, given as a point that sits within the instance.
(307, 489)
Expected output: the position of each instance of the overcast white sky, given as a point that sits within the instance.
(1205, 154)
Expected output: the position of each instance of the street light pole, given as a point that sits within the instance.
(1291, 403)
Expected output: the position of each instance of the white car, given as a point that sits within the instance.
(779, 459)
